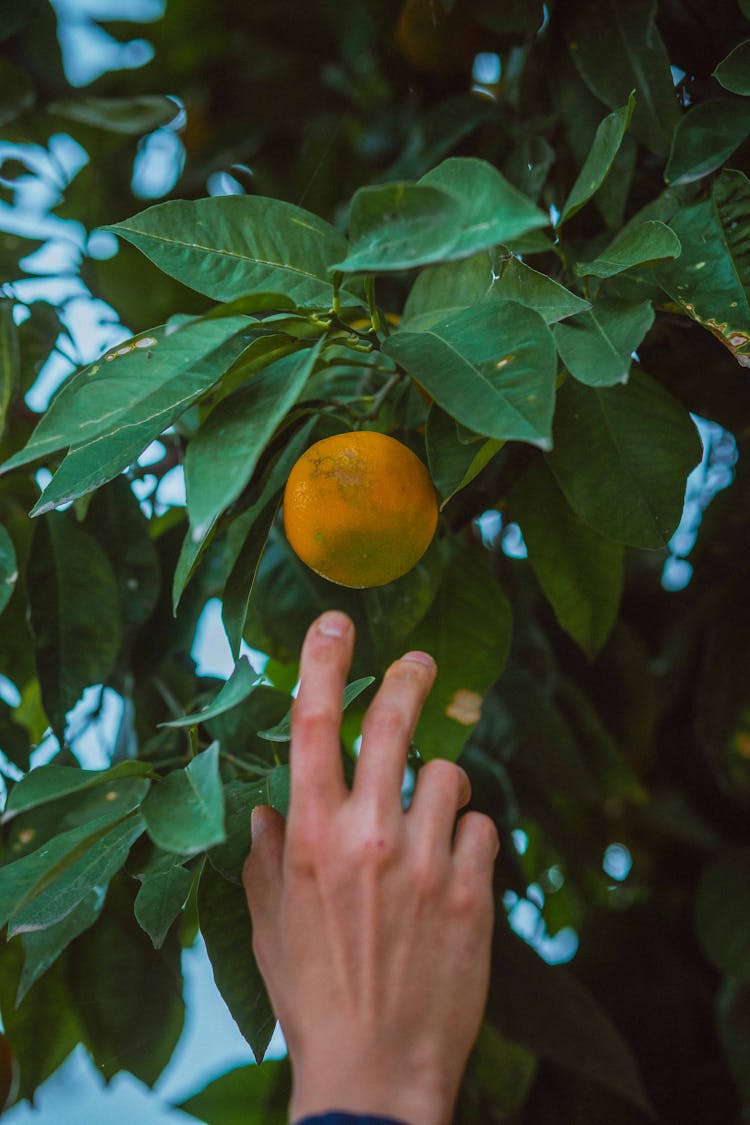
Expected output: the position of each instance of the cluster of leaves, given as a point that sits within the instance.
(542, 279)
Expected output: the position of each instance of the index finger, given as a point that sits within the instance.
(317, 777)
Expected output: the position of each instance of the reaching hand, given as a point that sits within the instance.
(371, 925)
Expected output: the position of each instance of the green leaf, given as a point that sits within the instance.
(282, 732)
(48, 783)
(10, 360)
(580, 572)
(733, 72)
(650, 242)
(242, 682)
(130, 116)
(722, 912)
(45, 1028)
(452, 287)
(706, 136)
(222, 456)
(616, 48)
(596, 347)
(733, 1017)
(8, 568)
(117, 521)
(547, 1010)
(462, 206)
(241, 797)
(127, 994)
(467, 631)
(74, 614)
(61, 892)
(238, 589)
(598, 164)
(16, 91)
(165, 885)
(41, 948)
(231, 245)
(397, 226)
(185, 812)
(492, 210)
(453, 463)
(247, 1095)
(227, 931)
(492, 367)
(519, 282)
(145, 383)
(622, 455)
(711, 280)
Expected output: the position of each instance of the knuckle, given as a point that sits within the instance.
(384, 721)
(428, 877)
(376, 848)
(309, 720)
(469, 898)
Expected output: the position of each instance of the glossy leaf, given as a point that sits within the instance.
(462, 206)
(622, 455)
(130, 116)
(492, 210)
(50, 782)
(117, 521)
(223, 454)
(10, 360)
(57, 897)
(580, 572)
(41, 948)
(227, 932)
(710, 281)
(705, 137)
(467, 631)
(598, 165)
(733, 72)
(127, 994)
(634, 59)
(396, 226)
(519, 282)
(246, 1095)
(722, 912)
(492, 367)
(453, 463)
(153, 376)
(240, 798)
(243, 680)
(165, 885)
(74, 614)
(185, 812)
(8, 568)
(597, 346)
(231, 245)
(282, 732)
(652, 241)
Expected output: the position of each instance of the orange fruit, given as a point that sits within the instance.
(435, 41)
(359, 508)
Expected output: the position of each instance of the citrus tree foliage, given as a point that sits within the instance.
(515, 237)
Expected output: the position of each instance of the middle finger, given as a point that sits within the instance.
(388, 729)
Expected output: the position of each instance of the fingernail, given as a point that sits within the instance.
(333, 624)
(256, 821)
(420, 658)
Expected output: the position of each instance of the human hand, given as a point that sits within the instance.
(371, 925)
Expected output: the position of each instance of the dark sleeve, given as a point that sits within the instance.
(348, 1119)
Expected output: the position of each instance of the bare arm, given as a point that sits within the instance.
(372, 926)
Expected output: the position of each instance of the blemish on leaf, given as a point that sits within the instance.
(465, 707)
(26, 835)
(111, 796)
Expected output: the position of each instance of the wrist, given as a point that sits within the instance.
(369, 1086)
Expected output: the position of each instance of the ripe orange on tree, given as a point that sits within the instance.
(359, 508)
(436, 41)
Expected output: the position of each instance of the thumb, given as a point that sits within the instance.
(261, 873)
